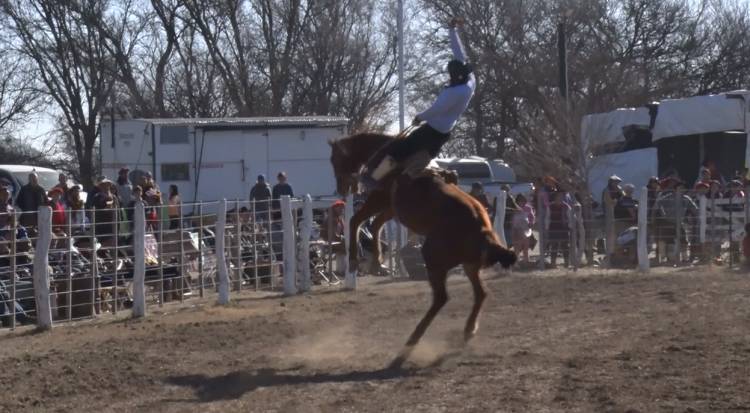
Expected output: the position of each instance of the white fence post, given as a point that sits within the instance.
(499, 223)
(139, 250)
(703, 206)
(221, 258)
(288, 247)
(350, 280)
(643, 262)
(305, 234)
(41, 268)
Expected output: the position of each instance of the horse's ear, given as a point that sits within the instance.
(342, 148)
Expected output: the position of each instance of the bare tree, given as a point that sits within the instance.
(19, 98)
(71, 62)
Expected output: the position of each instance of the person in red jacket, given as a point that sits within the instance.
(58, 209)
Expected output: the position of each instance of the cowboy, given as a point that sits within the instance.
(433, 126)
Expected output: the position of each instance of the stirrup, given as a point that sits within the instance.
(369, 183)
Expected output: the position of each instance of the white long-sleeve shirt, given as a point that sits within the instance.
(452, 101)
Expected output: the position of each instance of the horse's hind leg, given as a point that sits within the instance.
(480, 294)
(439, 298)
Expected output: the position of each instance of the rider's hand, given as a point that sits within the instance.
(456, 22)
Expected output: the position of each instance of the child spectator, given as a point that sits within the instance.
(174, 207)
(523, 221)
(58, 209)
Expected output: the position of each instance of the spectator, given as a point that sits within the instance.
(674, 208)
(62, 183)
(77, 214)
(107, 208)
(91, 195)
(477, 192)
(137, 195)
(558, 228)
(30, 198)
(522, 224)
(714, 189)
(626, 209)
(701, 190)
(58, 209)
(173, 210)
(280, 189)
(704, 175)
(260, 195)
(124, 186)
(613, 192)
(333, 228)
(610, 195)
(735, 192)
(332, 231)
(6, 211)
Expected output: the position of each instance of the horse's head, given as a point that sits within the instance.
(345, 168)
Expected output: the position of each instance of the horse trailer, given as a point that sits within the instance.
(213, 159)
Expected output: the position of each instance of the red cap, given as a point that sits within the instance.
(338, 203)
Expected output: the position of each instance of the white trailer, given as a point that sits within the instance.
(672, 136)
(212, 159)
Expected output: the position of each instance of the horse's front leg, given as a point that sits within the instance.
(375, 203)
(377, 225)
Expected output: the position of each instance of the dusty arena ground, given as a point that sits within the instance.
(673, 340)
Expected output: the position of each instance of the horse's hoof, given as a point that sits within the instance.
(397, 363)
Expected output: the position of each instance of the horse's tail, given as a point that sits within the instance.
(493, 252)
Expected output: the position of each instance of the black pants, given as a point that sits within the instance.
(422, 138)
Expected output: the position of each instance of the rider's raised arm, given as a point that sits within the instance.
(456, 46)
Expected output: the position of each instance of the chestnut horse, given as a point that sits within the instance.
(348, 156)
(456, 227)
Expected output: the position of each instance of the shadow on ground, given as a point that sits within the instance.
(234, 385)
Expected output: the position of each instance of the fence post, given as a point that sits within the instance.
(288, 247)
(41, 269)
(139, 250)
(350, 280)
(221, 257)
(541, 220)
(702, 205)
(573, 243)
(499, 223)
(643, 262)
(305, 234)
(610, 235)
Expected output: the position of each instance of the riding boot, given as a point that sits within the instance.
(417, 163)
(371, 178)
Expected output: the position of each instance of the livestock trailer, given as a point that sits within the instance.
(668, 137)
(212, 159)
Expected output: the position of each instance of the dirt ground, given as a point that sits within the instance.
(670, 341)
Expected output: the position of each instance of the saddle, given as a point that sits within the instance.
(421, 165)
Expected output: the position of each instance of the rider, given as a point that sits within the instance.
(433, 125)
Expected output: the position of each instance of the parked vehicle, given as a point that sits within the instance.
(16, 176)
(490, 173)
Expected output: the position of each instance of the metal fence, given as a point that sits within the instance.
(87, 263)
(667, 228)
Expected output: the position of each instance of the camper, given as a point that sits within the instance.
(669, 137)
(212, 159)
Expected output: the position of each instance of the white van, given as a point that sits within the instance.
(493, 172)
(16, 176)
